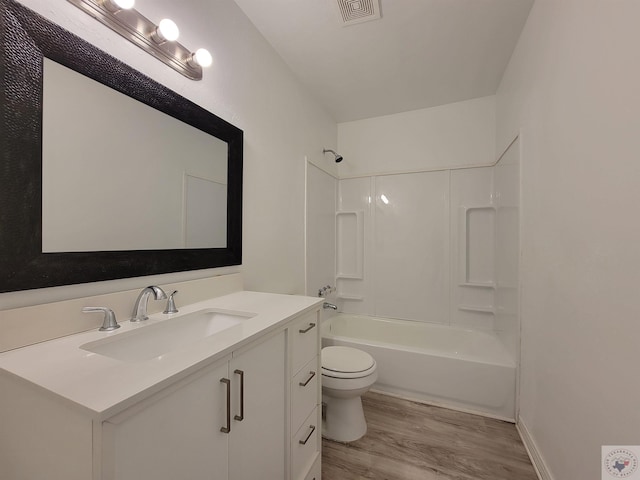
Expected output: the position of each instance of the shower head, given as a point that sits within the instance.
(338, 158)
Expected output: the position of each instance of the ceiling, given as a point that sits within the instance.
(421, 53)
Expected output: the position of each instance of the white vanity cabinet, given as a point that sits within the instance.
(189, 430)
(242, 406)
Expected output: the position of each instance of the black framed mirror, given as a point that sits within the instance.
(27, 39)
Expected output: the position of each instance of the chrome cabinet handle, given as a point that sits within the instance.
(241, 416)
(227, 382)
(306, 382)
(304, 442)
(311, 325)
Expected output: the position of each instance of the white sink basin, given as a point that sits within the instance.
(147, 342)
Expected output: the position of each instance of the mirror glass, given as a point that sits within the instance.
(120, 175)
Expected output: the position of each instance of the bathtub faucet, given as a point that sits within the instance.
(326, 305)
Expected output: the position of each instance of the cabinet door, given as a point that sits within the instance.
(173, 435)
(257, 439)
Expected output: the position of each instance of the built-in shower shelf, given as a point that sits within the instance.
(351, 298)
(350, 244)
(478, 309)
(476, 240)
(478, 284)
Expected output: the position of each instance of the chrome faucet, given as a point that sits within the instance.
(140, 307)
(326, 305)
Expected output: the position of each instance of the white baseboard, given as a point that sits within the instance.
(534, 453)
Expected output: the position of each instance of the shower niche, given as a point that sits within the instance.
(350, 254)
(476, 271)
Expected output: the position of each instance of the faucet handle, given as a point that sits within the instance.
(328, 289)
(109, 323)
(171, 304)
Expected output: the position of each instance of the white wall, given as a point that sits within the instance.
(571, 87)
(250, 86)
(321, 229)
(452, 135)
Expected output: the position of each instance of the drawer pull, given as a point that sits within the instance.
(227, 382)
(311, 325)
(241, 416)
(306, 382)
(304, 442)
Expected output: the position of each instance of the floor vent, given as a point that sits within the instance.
(358, 11)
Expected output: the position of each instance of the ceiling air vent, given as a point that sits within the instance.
(358, 11)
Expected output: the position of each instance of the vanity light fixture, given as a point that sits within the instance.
(117, 5)
(157, 40)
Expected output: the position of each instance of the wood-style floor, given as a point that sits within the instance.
(408, 440)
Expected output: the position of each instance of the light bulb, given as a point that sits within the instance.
(116, 5)
(202, 57)
(167, 31)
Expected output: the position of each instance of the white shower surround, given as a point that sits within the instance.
(419, 246)
(438, 250)
(447, 366)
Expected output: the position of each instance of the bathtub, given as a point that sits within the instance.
(447, 366)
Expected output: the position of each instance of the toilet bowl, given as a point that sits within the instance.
(347, 373)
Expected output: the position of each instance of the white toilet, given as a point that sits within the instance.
(347, 373)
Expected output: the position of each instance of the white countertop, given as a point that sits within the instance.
(103, 386)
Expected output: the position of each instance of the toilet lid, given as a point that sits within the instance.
(346, 360)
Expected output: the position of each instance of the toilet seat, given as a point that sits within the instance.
(346, 362)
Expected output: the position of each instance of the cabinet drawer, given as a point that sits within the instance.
(315, 473)
(304, 393)
(305, 446)
(304, 337)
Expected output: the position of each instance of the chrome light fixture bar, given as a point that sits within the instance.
(157, 40)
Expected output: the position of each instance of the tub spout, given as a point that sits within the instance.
(326, 305)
